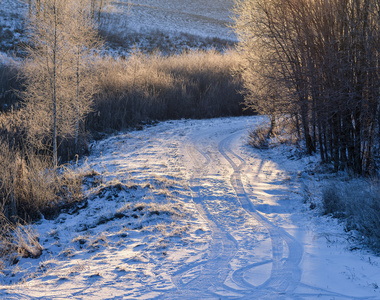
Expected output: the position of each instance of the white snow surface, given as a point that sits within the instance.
(187, 210)
(207, 18)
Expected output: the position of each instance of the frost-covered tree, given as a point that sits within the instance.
(57, 89)
(83, 39)
(322, 59)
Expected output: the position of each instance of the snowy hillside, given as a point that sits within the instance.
(208, 18)
(11, 24)
(182, 209)
(186, 210)
(146, 24)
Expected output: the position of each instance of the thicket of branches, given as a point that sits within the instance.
(95, 7)
(317, 61)
(56, 97)
(143, 88)
(58, 81)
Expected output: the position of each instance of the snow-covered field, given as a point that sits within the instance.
(144, 24)
(168, 25)
(186, 210)
(11, 24)
(208, 18)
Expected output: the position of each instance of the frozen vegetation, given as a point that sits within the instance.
(186, 208)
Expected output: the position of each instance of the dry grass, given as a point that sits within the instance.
(259, 137)
(17, 241)
(142, 88)
(31, 187)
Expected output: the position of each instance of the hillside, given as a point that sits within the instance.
(169, 26)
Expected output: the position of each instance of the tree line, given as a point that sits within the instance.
(317, 62)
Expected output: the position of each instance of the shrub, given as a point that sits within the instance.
(357, 202)
(268, 135)
(363, 211)
(332, 200)
(155, 40)
(259, 137)
(153, 87)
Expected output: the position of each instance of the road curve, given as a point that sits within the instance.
(213, 162)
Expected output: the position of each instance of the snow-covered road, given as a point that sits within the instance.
(187, 210)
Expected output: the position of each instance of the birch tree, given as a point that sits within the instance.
(83, 39)
(57, 95)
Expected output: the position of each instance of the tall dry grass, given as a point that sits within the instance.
(30, 187)
(194, 84)
(17, 240)
(197, 84)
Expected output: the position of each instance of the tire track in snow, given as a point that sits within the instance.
(223, 246)
(208, 279)
(285, 274)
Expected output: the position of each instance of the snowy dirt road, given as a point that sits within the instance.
(186, 210)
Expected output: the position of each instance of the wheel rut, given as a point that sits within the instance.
(216, 277)
(286, 274)
(223, 247)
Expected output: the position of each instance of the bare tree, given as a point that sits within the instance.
(325, 55)
(83, 40)
(97, 8)
(56, 96)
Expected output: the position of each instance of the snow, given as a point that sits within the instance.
(210, 18)
(168, 25)
(186, 210)
(11, 23)
(171, 25)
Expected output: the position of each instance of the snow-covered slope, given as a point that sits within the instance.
(11, 27)
(208, 18)
(186, 210)
(169, 25)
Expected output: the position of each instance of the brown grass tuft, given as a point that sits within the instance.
(17, 241)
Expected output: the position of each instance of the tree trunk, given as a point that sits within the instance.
(55, 147)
